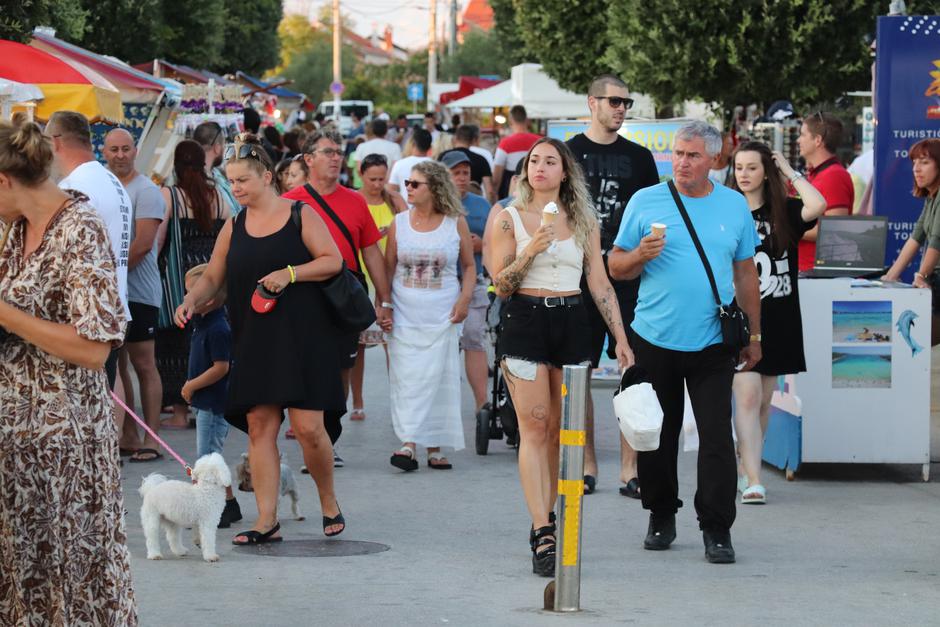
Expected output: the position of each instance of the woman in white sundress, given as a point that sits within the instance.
(425, 246)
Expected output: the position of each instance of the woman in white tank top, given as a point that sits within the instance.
(537, 261)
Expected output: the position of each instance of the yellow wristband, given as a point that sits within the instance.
(293, 275)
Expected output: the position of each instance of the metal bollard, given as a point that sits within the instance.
(570, 488)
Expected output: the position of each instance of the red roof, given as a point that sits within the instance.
(477, 14)
(468, 85)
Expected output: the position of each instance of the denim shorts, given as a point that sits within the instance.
(553, 335)
(211, 429)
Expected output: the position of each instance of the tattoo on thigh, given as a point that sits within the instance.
(539, 412)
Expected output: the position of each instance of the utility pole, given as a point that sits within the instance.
(432, 53)
(337, 69)
(452, 33)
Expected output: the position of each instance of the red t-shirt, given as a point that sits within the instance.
(353, 211)
(835, 184)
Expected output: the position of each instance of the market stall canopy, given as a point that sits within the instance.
(499, 95)
(466, 86)
(66, 85)
(134, 85)
(12, 91)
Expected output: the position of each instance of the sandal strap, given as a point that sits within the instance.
(544, 532)
(436, 456)
(406, 451)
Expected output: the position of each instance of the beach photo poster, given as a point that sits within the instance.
(861, 321)
(861, 366)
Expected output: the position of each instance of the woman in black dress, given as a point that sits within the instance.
(287, 357)
(761, 176)
(195, 213)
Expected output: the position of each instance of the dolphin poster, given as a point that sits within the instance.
(904, 325)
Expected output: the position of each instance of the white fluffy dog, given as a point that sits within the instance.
(175, 505)
(288, 485)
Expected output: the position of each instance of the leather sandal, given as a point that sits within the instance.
(437, 461)
(336, 520)
(256, 537)
(543, 561)
(404, 459)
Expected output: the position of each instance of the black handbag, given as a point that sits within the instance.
(346, 293)
(735, 326)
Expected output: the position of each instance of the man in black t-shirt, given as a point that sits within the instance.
(480, 171)
(615, 169)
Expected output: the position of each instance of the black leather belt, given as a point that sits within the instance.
(549, 301)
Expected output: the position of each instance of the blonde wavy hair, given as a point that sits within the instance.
(573, 194)
(445, 198)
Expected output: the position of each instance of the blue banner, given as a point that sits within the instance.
(135, 119)
(656, 135)
(907, 98)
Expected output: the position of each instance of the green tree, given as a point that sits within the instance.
(192, 33)
(311, 68)
(480, 53)
(18, 18)
(251, 37)
(568, 38)
(508, 33)
(109, 21)
(808, 51)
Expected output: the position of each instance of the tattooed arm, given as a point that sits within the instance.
(509, 269)
(606, 299)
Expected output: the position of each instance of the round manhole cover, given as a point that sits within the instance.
(314, 548)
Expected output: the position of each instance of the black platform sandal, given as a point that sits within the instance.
(551, 523)
(543, 562)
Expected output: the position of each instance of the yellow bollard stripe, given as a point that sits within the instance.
(564, 390)
(570, 487)
(569, 437)
(569, 555)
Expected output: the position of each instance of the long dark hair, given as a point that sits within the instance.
(782, 234)
(189, 167)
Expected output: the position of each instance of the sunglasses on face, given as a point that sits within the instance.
(241, 151)
(414, 184)
(616, 101)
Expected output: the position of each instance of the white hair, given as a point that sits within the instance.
(704, 130)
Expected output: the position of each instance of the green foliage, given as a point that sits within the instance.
(311, 67)
(508, 33)
(251, 41)
(480, 53)
(569, 38)
(19, 17)
(109, 22)
(192, 33)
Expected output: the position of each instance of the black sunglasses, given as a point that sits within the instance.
(414, 184)
(616, 101)
(241, 151)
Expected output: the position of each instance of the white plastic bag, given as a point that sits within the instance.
(640, 416)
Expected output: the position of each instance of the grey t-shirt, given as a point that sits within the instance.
(143, 280)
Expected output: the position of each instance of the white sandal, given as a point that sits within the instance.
(754, 495)
(437, 456)
(404, 459)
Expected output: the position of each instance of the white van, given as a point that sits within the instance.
(363, 108)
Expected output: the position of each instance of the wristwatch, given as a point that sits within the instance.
(756, 337)
(796, 175)
(387, 305)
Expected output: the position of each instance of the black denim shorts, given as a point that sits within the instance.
(557, 336)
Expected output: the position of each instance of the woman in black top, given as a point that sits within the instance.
(286, 357)
(760, 175)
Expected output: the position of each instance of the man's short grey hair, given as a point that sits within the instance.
(310, 144)
(704, 130)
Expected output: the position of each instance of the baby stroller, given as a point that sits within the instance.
(498, 416)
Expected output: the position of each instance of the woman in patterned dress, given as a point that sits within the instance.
(63, 559)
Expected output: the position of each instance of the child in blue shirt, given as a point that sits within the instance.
(206, 387)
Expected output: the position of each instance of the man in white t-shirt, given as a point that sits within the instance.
(379, 145)
(402, 169)
(75, 166)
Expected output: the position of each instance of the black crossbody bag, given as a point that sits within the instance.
(735, 327)
(346, 293)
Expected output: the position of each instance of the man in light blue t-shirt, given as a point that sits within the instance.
(678, 337)
(473, 338)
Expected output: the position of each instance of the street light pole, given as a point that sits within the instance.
(452, 29)
(432, 53)
(337, 49)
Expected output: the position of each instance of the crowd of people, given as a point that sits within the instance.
(193, 288)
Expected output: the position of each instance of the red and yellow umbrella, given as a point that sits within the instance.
(66, 85)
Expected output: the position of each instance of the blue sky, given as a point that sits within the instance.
(861, 306)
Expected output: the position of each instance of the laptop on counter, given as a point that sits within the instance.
(850, 246)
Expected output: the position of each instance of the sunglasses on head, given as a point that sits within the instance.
(242, 151)
(414, 184)
(616, 101)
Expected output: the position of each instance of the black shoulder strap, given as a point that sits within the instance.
(295, 210)
(339, 223)
(695, 240)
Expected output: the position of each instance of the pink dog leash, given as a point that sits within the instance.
(166, 447)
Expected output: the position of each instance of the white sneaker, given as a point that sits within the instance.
(337, 460)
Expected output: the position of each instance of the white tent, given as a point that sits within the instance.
(535, 90)
(19, 94)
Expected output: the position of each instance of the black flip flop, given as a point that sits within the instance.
(256, 537)
(590, 484)
(632, 489)
(146, 451)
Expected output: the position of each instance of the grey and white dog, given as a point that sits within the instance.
(288, 485)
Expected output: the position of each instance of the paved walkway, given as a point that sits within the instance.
(841, 545)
